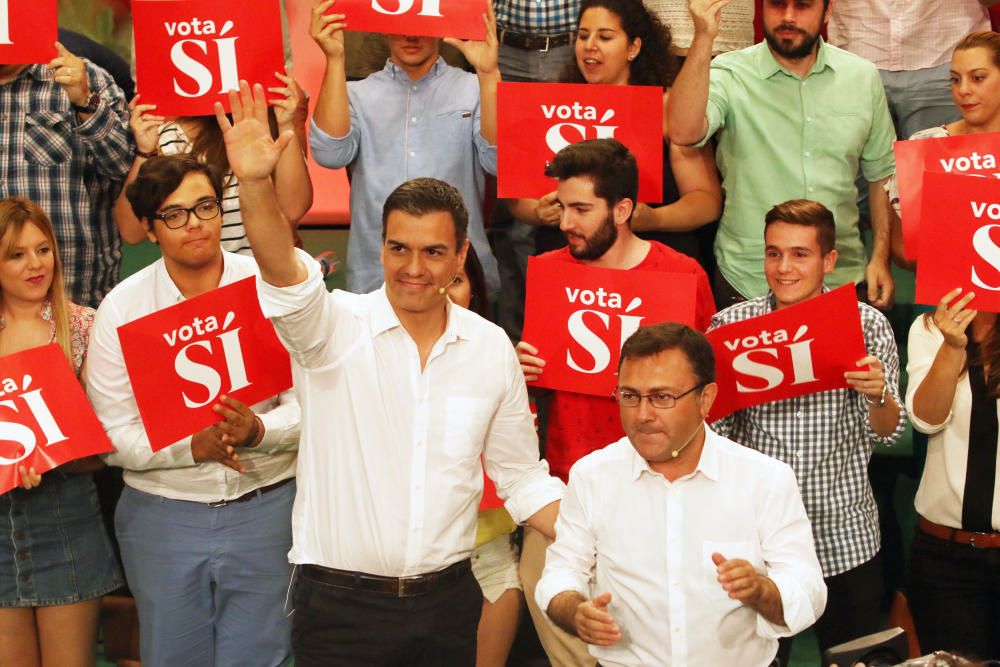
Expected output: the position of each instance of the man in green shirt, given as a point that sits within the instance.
(796, 118)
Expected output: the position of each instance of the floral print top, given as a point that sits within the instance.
(80, 322)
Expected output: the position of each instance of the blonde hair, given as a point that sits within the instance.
(15, 213)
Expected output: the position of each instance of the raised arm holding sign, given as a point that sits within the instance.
(431, 18)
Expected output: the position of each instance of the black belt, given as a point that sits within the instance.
(250, 495)
(401, 587)
(527, 42)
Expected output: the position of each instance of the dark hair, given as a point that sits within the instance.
(421, 196)
(983, 39)
(654, 339)
(479, 304)
(606, 162)
(654, 65)
(807, 213)
(159, 176)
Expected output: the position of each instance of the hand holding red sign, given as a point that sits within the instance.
(577, 318)
(959, 239)
(969, 154)
(189, 53)
(180, 360)
(28, 31)
(536, 121)
(45, 418)
(462, 19)
(798, 350)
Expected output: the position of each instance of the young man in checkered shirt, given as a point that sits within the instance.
(828, 437)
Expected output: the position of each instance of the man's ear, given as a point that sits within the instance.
(150, 233)
(623, 211)
(708, 395)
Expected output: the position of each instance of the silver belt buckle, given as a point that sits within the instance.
(218, 503)
(547, 40)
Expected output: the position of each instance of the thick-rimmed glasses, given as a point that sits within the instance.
(660, 400)
(175, 218)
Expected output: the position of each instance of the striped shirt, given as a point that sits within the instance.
(537, 17)
(827, 439)
(173, 141)
(73, 170)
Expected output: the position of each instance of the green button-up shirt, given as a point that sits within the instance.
(784, 137)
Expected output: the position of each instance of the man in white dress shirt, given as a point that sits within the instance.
(204, 524)
(676, 546)
(403, 394)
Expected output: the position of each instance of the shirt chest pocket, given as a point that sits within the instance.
(47, 138)
(466, 424)
(454, 127)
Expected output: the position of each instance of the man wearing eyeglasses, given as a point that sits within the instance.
(598, 232)
(204, 524)
(827, 438)
(674, 544)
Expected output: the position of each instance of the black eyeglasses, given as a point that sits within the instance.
(175, 218)
(660, 400)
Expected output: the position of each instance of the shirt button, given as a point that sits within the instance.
(798, 454)
(799, 414)
(806, 153)
(809, 119)
(413, 153)
(812, 189)
(413, 119)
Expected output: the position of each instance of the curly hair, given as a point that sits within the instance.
(654, 65)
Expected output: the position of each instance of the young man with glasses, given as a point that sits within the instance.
(674, 544)
(827, 438)
(597, 228)
(204, 524)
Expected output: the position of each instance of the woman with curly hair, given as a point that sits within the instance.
(619, 42)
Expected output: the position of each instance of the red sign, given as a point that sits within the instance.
(28, 31)
(537, 120)
(969, 154)
(462, 19)
(795, 351)
(45, 419)
(579, 316)
(190, 53)
(960, 239)
(181, 359)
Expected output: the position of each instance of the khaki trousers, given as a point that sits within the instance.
(562, 649)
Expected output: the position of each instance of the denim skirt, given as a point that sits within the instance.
(53, 546)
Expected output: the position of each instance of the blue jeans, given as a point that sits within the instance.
(209, 582)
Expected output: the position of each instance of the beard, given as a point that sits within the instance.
(787, 49)
(598, 243)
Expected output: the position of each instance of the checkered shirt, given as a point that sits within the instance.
(827, 439)
(73, 170)
(537, 17)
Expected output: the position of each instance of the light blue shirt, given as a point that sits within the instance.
(403, 129)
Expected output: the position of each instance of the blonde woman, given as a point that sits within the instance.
(55, 558)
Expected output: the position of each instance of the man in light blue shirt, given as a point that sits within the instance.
(416, 117)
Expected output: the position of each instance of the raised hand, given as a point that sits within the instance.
(707, 16)
(291, 109)
(145, 125)
(952, 318)
(70, 72)
(327, 30)
(482, 55)
(252, 152)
